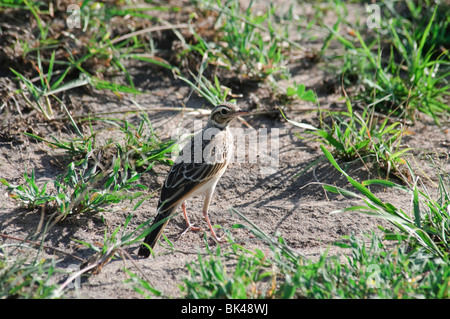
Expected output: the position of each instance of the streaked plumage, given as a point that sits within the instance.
(197, 170)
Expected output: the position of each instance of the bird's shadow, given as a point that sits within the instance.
(295, 182)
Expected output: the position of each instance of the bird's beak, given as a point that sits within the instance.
(242, 112)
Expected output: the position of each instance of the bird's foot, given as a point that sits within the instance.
(219, 239)
(191, 227)
(213, 233)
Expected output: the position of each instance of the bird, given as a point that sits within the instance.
(196, 171)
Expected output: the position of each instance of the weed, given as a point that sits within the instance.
(25, 277)
(210, 278)
(29, 194)
(369, 270)
(299, 91)
(89, 184)
(418, 83)
(429, 228)
(361, 137)
(61, 67)
(247, 43)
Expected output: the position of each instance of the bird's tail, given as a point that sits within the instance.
(160, 222)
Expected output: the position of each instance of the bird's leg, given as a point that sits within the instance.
(190, 226)
(219, 239)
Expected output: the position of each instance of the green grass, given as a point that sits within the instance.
(416, 267)
(100, 175)
(210, 277)
(57, 70)
(355, 136)
(80, 190)
(25, 277)
(243, 47)
(247, 44)
(427, 225)
(399, 70)
(32, 276)
(367, 270)
(85, 62)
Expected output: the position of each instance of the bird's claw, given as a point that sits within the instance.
(191, 227)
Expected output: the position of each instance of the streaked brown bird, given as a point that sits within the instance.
(196, 171)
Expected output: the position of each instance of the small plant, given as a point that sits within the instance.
(248, 44)
(113, 247)
(25, 277)
(29, 194)
(427, 227)
(299, 91)
(211, 278)
(353, 136)
(99, 175)
(81, 189)
(214, 93)
(369, 270)
(404, 79)
(140, 146)
(60, 64)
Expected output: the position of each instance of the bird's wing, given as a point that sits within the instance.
(186, 175)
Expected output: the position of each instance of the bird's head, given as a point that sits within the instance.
(222, 115)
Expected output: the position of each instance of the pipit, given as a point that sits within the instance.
(196, 171)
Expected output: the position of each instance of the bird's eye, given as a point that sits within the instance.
(224, 111)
